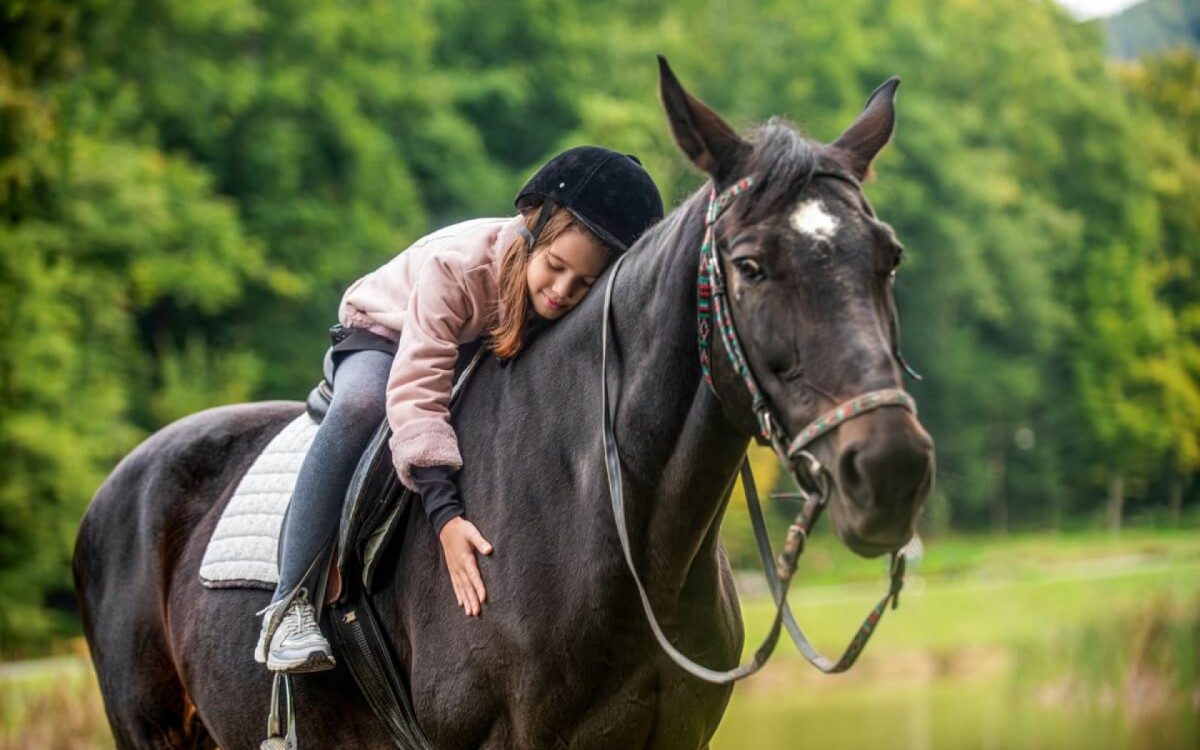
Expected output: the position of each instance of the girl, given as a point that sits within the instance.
(395, 351)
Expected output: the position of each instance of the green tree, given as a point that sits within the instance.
(97, 233)
(1169, 85)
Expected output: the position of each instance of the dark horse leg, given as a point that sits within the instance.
(129, 545)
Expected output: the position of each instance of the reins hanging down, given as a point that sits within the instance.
(802, 465)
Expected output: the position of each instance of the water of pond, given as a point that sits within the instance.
(990, 712)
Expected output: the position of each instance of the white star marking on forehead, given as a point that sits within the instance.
(812, 219)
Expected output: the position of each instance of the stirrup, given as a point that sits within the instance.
(276, 739)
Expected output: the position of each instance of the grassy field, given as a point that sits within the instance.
(976, 592)
(1038, 641)
(52, 704)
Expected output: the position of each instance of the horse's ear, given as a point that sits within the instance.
(707, 140)
(872, 130)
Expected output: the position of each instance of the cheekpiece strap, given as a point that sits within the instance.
(838, 173)
(549, 206)
(712, 302)
(710, 273)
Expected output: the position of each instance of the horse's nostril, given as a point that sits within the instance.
(894, 473)
(852, 478)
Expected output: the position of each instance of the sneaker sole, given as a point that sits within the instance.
(316, 661)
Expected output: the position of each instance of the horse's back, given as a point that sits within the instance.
(174, 471)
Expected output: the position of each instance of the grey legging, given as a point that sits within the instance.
(354, 414)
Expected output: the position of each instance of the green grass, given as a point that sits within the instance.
(827, 561)
(970, 592)
(51, 704)
(942, 715)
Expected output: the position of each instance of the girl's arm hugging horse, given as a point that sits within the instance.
(394, 354)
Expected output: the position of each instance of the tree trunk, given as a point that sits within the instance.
(999, 501)
(1116, 500)
(1175, 500)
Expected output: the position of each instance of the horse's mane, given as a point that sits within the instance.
(783, 160)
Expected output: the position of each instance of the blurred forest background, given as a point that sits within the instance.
(187, 187)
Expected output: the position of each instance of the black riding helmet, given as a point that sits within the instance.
(611, 193)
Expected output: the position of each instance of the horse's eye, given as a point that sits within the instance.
(750, 269)
(897, 258)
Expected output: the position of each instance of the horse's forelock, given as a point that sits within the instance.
(782, 164)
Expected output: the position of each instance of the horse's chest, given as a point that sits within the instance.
(583, 693)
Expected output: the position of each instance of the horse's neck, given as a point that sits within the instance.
(679, 453)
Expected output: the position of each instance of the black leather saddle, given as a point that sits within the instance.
(320, 397)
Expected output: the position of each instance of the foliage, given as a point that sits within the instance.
(186, 189)
(1153, 26)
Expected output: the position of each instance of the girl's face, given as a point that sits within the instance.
(561, 273)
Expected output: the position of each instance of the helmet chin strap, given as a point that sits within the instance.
(548, 208)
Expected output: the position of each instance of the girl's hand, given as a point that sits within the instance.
(460, 541)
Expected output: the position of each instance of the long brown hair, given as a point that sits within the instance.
(507, 329)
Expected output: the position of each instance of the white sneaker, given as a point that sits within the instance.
(297, 644)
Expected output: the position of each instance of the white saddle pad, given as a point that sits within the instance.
(242, 550)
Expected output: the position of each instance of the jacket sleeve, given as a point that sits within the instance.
(439, 495)
(418, 390)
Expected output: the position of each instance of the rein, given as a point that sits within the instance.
(813, 480)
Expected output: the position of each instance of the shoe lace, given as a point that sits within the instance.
(304, 614)
(298, 616)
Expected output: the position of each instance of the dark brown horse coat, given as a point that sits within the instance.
(562, 655)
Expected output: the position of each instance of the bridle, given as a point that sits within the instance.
(814, 481)
(713, 297)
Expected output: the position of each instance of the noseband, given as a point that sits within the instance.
(814, 481)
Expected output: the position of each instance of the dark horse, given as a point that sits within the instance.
(562, 655)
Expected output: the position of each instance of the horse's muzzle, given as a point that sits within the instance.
(883, 473)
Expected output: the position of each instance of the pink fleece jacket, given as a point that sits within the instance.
(435, 295)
